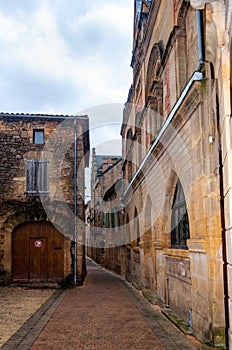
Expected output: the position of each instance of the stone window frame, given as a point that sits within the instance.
(153, 70)
(37, 135)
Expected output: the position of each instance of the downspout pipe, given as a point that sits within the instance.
(75, 203)
(223, 231)
(121, 199)
(200, 39)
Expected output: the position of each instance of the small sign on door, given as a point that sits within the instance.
(38, 244)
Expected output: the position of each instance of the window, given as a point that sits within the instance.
(179, 221)
(112, 219)
(37, 176)
(137, 227)
(107, 221)
(38, 136)
(138, 231)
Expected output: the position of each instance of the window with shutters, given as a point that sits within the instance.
(37, 177)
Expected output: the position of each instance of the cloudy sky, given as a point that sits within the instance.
(64, 56)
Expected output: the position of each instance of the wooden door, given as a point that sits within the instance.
(37, 253)
(20, 258)
(38, 259)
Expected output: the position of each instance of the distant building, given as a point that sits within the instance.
(38, 196)
(105, 205)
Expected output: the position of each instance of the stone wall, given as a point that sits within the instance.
(16, 205)
(182, 128)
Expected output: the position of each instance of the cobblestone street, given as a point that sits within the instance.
(105, 313)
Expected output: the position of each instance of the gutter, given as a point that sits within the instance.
(42, 116)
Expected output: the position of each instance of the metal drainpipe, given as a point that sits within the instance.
(75, 203)
(121, 199)
(223, 230)
(200, 38)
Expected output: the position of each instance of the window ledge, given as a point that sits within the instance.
(177, 253)
(37, 194)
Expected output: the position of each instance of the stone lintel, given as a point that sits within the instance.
(200, 4)
(197, 246)
(177, 253)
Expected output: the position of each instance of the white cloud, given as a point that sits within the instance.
(10, 29)
(64, 58)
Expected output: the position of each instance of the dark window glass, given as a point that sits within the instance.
(179, 221)
(138, 231)
(38, 136)
(107, 220)
(112, 219)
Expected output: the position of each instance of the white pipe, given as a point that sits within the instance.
(75, 203)
(197, 76)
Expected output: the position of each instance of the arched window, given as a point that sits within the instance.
(129, 139)
(137, 228)
(179, 221)
(127, 231)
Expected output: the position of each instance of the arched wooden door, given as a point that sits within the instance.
(37, 253)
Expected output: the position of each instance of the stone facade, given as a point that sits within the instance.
(37, 195)
(176, 149)
(176, 133)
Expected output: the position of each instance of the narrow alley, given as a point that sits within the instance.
(104, 313)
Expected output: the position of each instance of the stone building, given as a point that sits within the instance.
(176, 134)
(105, 210)
(42, 164)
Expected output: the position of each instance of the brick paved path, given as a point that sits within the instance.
(104, 314)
